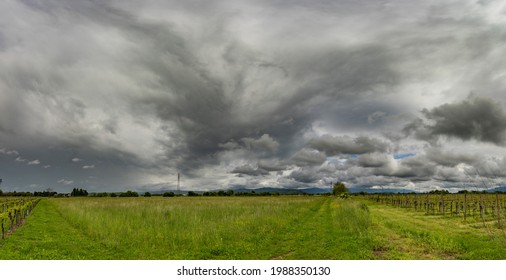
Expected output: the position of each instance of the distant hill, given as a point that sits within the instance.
(282, 190)
(498, 189)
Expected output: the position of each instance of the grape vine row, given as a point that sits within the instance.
(486, 206)
(14, 211)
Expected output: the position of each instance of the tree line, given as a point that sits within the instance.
(81, 192)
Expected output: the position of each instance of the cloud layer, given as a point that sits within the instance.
(111, 95)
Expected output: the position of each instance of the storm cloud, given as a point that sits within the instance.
(475, 118)
(109, 95)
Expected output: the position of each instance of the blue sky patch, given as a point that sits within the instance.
(404, 155)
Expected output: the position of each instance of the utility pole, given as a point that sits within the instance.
(178, 179)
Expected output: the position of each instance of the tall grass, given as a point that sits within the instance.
(223, 227)
(185, 228)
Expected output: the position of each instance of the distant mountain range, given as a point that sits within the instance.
(283, 190)
(288, 191)
(498, 189)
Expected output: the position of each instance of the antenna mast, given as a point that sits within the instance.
(178, 179)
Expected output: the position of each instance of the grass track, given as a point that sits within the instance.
(46, 235)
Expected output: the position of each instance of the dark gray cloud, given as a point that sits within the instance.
(373, 160)
(249, 170)
(272, 165)
(264, 143)
(416, 169)
(334, 145)
(305, 176)
(450, 159)
(308, 157)
(475, 118)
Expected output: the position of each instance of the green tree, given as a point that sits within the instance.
(168, 194)
(129, 194)
(339, 189)
(147, 194)
(77, 192)
(192, 193)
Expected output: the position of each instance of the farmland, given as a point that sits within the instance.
(282, 227)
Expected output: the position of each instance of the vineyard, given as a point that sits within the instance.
(14, 211)
(484, 206)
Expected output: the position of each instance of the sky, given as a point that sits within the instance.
(116, 95)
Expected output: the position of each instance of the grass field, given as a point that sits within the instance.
(284, 227)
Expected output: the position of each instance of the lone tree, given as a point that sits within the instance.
(339, 189)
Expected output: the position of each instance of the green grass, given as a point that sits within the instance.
(406, 234)
(46, 235)
(285, 227)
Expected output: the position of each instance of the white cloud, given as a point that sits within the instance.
(34, 162)
(65, 182)
(19, 159)
(89, 166)
(8, 152)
